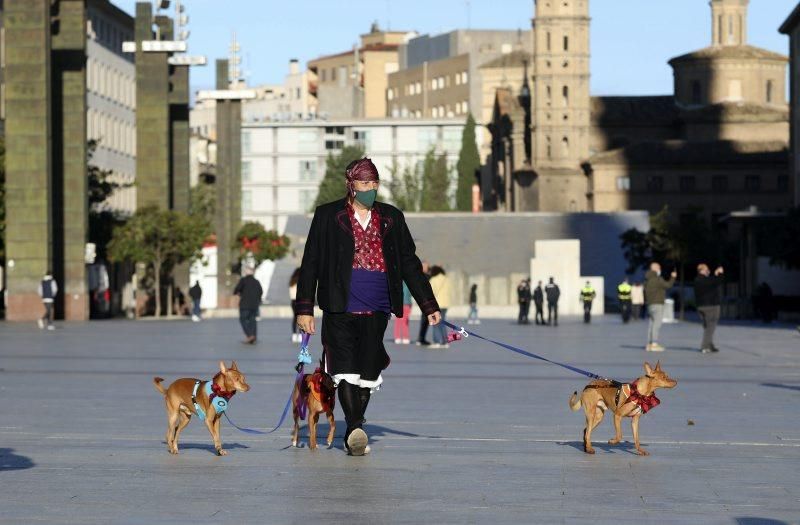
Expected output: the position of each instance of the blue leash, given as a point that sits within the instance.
(303, 358)
(467, 333)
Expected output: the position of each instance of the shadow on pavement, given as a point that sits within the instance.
(11, 461)
(779, 385)
(624, 446)
(207, 446)
(759, 521)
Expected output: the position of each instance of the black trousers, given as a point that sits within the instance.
(587, 311)
(524, 308)
(539, 313)
(423, 328)
(552, 313)
(247, 318)
(625, 309)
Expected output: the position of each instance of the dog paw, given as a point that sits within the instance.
(613, 441)
(642, 452)
(222, 452)
(589, 450)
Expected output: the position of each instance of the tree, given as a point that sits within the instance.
(254, 241)
(469, 161)
(159, 238)
(405, 189)
(435, 183)
(203, 203)
(101, 186)
(332, 187)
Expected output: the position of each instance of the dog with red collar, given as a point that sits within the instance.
(624, 400)
(313, 395)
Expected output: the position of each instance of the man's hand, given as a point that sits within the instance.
(719, 271)
(306, 323)
(674, 274)
(435, 318)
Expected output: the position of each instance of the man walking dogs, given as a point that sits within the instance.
(707, 294)
(357, 255)
(655, 291)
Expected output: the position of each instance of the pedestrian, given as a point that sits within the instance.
(655, 291)
(708, 297)
(401, 336)
(296, 336)
(472, 318)
(552, 292)
(538, 301)
(587, 297)
(440, 284)
(358, 253)
(624, 290)
(196, 292)
(524, 298)
(48, 290)
(423, 322)
(637, 301)
(762, 301)
(249, 291)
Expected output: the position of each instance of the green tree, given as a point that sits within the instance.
(469, 161)
(435, 183)
(405, 188)
(100, 186)
(332, 187)
(161, 239)
(203, 203)
(254, 241)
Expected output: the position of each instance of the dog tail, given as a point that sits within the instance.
(574, 401)
(157, 382)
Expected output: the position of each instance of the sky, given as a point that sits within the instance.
(631, 40)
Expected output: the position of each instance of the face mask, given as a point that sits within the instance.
(367, 198)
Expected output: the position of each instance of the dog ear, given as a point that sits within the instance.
(658, 366)
(234, 366)
(222, 367)
(647, 369)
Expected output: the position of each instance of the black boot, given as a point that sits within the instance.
(363, 394)
(350, 400)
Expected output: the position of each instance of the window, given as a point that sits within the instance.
(687, 182)
(246, 142)
(333, 74)
(697, 92)
(769, 92)
(464, 77)
(623, 183)
(334, 130)
(246, 165)
(735, 89)
(308, 170)
(548, 92)
(426, 138)
(323, 75)
(548, 41)
(566, 43)
(565, 95)
(306, 199)
(549, 148)
(451, 140)
(361, 138)
(247, 201)
(565, 147)
(655, 183)
(440, 82)
(783, 183)
(334, 144)
(389, 94)
(752, 183)
(719, 183)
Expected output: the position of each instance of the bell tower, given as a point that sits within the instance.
(729, 22)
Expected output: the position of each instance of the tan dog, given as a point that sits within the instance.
(180, 405)
(313, 393)
(626, 400)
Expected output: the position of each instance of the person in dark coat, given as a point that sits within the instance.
(358, 253)
(249, 291)
(538, 301)
(196, 293)
(524, 299)
(708, 297)
(553, 292)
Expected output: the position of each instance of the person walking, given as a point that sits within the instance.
(358, 253)
(655, 291)
(249, 291)
(552, 292)
(423, 322)
(587, 297)
(637, 301)
(195, 293)
(441, 292)
(401, 336)
(624, 290)
(538, 301)
(524, 298)
(708, 297)
(472, 318)
(296, 336)
(48, 289)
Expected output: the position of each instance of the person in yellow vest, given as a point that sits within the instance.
(587, 296)
(624, 295)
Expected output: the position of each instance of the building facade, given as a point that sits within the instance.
(791, 27)
(284, 162)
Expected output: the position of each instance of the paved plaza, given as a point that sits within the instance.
(470, 434)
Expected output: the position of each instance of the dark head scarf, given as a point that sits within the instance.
(361, 170)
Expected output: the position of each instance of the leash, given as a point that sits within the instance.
(460, 332)
(302, 359)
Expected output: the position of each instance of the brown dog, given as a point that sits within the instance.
(181, 405)
(627, 400)
(313, 393)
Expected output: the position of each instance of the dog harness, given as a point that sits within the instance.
(217, 397)
(643, 403)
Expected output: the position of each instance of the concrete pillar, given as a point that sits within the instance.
(46, 202)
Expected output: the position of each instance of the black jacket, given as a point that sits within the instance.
(538, 295)
(195, 292)
(553, 292)
(328, 261)
(708, 290)
(249, 291)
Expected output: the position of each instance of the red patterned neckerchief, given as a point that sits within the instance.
(219, 392)
(368, 243)
(645, 403)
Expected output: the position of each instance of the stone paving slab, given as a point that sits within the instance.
(470, 434)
